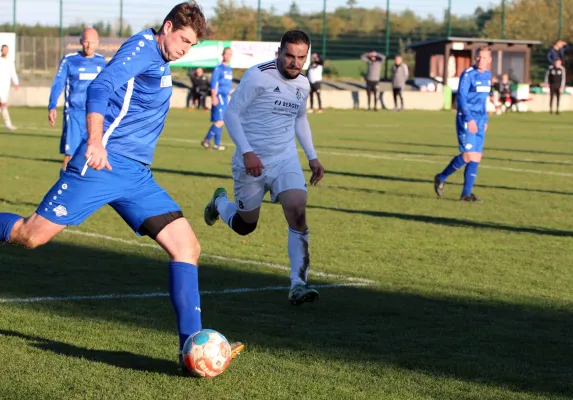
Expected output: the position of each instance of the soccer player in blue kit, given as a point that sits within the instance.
(126, 109)
(471, 125)
(76, 72)
(221, 87)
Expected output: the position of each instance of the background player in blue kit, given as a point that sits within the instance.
(76, 72)
(471, 124)
(126, 109)
(221, 87)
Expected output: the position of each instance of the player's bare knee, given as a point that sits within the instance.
(296, 217)
(219, 124)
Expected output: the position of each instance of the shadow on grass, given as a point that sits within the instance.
(516, 346)
(449, 221)
(430, 182)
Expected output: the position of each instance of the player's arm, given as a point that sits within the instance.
(304, 135)
(215, 86)
(58, 84)
(463, 106)
(247, 91)
(14, 76)
(546, 81)
(122, 68)
(563, 78)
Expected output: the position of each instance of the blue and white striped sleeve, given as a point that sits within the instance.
(133, 58)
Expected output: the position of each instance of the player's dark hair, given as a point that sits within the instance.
(225, 49)
(188, 14)
(294, 37)
(4, 45)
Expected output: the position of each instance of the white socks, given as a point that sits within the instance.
(6, 118)
(226, 209)
(299, 256)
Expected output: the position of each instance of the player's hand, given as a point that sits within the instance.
(214, 101)
(96, 155)
(52, 115)
(253, 164)
(16, 88)
(317, 171)
(472, 127)
(485, 128)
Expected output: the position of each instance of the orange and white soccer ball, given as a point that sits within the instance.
(207, 353)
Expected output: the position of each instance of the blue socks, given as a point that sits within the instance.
(184, 293)
(218, 134)
(470, 175)
(456, 163)
(215, 132)
(7, 221)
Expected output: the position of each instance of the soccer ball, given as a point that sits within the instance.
(207, 353)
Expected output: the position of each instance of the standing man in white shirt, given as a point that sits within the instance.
(314, 75)
(7, 75)
(267, 110)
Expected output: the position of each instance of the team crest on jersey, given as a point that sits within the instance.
(298, 94)
(98, 68)
(166, 81)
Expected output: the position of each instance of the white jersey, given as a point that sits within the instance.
(7, 74)
(265, 113)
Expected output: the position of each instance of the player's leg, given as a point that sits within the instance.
(401, 97)
(395, 95)
(318, 96)
(457, 162)
(311, 98)
(216, 129)
(473, 159)
(551, 95)
(557, 100)
(375, 94)
(150, 211)
(368, 93)
(241, 215)
(4, 111)
(289, 189)
(29, 232)
(69, 202)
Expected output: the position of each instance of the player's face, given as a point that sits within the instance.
(483, 60)
(292, 58)
(90, 42)
(227, 55)
(4, 51)
(177, 44)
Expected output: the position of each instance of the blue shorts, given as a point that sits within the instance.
(218, 111)
(73, 132)
(470, 142)
(129, 188)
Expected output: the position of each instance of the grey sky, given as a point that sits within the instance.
(140, 13)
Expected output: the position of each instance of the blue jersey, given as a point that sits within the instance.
(222, 79)
(76, 72)
(133, 93)
(473, 93)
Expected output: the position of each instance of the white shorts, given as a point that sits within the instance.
(277, 177)
(4, 96)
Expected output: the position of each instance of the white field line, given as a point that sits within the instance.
(222, 258)
(415, 159)
(160, 294)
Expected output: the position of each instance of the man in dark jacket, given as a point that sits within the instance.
(555, 79)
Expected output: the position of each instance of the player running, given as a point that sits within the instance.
(76, 72)
(266, 112)
(471, 125)
(7, 74)
(221, 87)
(126, 109)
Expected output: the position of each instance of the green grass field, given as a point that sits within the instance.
(425, 298)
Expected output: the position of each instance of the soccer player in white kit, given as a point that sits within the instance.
(7, 75)
(266, 111)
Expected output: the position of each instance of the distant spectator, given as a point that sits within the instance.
(400, 75)
(314, 75)
(201, 86)
(557, 51)
(555, 79)
(373, 62)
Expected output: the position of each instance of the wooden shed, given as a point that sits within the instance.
(445, 59)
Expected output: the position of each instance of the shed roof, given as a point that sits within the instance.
(471, 40)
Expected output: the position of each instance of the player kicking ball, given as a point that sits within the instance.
(127, 105)
(471, 125)
(267, 110)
